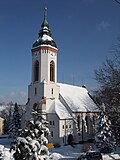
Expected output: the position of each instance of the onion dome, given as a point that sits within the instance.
(44, 37)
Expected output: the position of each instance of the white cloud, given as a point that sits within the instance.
(103, 25)
(19, 97)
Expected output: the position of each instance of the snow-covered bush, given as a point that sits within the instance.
(1, 152)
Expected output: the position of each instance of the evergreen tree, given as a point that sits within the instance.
(32, 142)
(16, 122)
(104, 137)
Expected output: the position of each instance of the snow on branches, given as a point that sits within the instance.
(104, 137)
(32, 141)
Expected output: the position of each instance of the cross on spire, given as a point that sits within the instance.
(45, 13)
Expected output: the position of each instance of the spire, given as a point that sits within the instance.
(45, 13)
(45, 33)
(45, 23)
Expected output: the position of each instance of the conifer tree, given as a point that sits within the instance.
(104, 137)
(16, 122)
(32, 141)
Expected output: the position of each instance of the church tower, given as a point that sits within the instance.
(44, 55)
(43, 87)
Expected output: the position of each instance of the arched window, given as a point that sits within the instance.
(78, 122)
(52, 71)
(36, 71)
(89, 123)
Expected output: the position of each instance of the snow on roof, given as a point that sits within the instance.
(45, 27)
(44, 81)
(46, 37)
(58, 108)
(77, 98)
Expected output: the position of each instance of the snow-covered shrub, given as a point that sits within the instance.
(1, 151)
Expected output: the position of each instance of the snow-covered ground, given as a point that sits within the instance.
(61, 153)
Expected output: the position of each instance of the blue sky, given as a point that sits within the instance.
(84, 31)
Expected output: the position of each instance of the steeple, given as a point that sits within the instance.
(45, 23)
(44, 35)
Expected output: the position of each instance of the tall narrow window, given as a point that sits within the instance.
(63, 139)
(51, 133)
(78, 122)
(35, 91)
(52, 91)
(52, 71)
(36, 71)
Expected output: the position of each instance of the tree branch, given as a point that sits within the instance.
(117, 1)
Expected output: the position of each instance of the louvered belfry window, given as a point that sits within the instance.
(36, 71)
(52, 71)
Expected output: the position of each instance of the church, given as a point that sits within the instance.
(70, 110)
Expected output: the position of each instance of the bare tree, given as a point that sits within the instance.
(108, 77)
